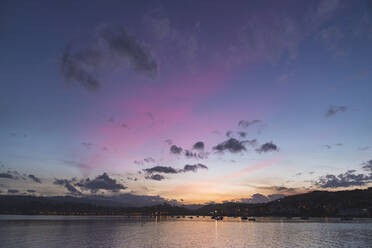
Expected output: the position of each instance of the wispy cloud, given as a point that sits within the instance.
(15, 175)
(125, 45)
(34, 178)
(334, 109)
(87, 145)
(7, 175)
(247, 123)
(283, 189)
(68, 184)
(332, 37)
(194, 167)
(156, 177)
(260, 198)
(153, 173)
(74, 64)
(80, 64)
(364, 148)
(368, 166)
(161, 169)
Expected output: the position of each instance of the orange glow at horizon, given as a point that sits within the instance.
(214, 189)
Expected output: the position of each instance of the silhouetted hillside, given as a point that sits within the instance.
(356, 203)
(313, 204)
(79, 206)
(323, 203)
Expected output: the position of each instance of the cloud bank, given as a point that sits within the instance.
(347, 179)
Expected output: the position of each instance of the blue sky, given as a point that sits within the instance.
(90, 87)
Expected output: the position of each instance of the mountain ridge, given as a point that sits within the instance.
(353, 203)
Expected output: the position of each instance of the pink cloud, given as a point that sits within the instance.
(171, 105)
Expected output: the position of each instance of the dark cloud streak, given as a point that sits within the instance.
(333, 110)
(68, 185)
(34, 178)
(246, 123)
(7, 175)
(161, 169)
(152, 173)
(125, 45)
(81, 64)
(194, 167)
(156, 177)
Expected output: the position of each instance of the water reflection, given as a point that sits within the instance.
(117, 232)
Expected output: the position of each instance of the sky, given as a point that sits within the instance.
(185, 101)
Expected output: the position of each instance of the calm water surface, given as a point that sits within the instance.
(80, 232)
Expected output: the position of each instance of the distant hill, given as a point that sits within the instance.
(323, 203)
(67, 205)
(353, 203)
(314, 204)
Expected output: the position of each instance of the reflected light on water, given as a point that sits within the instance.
(157, 232)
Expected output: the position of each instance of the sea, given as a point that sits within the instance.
(18, 231)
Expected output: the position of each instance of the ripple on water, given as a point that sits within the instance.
(121, 232)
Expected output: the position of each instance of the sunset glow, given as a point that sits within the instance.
(188, 102)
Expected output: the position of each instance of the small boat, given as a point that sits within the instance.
(219, 217)
(244, 218)
(251, 219)
(178, 217)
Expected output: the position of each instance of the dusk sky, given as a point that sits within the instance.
(193, 101)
